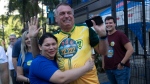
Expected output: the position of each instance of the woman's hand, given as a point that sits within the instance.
(33, 27)
(89, 65)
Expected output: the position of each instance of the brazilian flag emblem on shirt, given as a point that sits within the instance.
(29, 62)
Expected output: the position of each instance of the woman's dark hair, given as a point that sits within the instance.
(46, 35)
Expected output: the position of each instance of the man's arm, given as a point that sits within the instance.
(128, 46)
(4, 73)
(15, 52)
(14, 60)
(103, 63)
(102, 47)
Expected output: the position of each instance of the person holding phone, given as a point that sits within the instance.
(84, 39)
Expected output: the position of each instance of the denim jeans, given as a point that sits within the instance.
(117, 76)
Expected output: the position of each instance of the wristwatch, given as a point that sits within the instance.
(122, 64)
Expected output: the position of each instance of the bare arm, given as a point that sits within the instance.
(14, 60)
(33, 33)
(102, 47)
(34, 47)
(103, 63)
(130, 50)
(4, 73)
(20, 75)
(71, 75)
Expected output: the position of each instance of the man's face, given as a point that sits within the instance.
(12, 40)
(110, 25)
(64, 17)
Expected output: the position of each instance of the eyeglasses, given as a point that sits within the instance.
(12, 38)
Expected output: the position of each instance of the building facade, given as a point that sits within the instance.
(83, 9)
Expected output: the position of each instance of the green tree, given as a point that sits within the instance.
(29, 8)
(11, 25)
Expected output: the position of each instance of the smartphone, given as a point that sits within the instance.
(98, 20)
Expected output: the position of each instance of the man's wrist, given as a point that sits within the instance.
(103, 37)
(122, 64)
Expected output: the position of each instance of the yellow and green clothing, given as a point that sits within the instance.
(74, 49)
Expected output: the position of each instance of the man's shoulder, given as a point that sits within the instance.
(18, 42)
(120, 32)
(81, 26)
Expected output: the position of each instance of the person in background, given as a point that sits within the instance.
(16, 52)
(83, 37)
(116, 63)
(25, 59)
(44, 68)
(12, 39)
(4, 71)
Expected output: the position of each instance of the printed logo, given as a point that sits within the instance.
(29, 62)
(79, 43)
(111, 50)
(68, 48)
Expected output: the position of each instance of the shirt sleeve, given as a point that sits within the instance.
(19, 61)
(16, 48)
(3, 57)
(124, 39)
(43, 69)
(94, 39)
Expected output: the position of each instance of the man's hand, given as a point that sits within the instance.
(33, 27)
(100, 29)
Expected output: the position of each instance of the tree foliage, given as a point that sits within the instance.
(26, 8)
(11, 25)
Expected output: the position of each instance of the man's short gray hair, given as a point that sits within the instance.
(14, 35)
(61, 4)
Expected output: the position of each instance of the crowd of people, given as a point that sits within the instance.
(66, 56)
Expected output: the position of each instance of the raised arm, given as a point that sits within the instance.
(102, 47)
(33, 33)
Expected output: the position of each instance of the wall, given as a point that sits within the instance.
(83, 11)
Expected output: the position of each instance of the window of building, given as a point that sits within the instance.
(74, 3)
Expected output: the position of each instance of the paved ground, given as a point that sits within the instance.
(102, 77)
